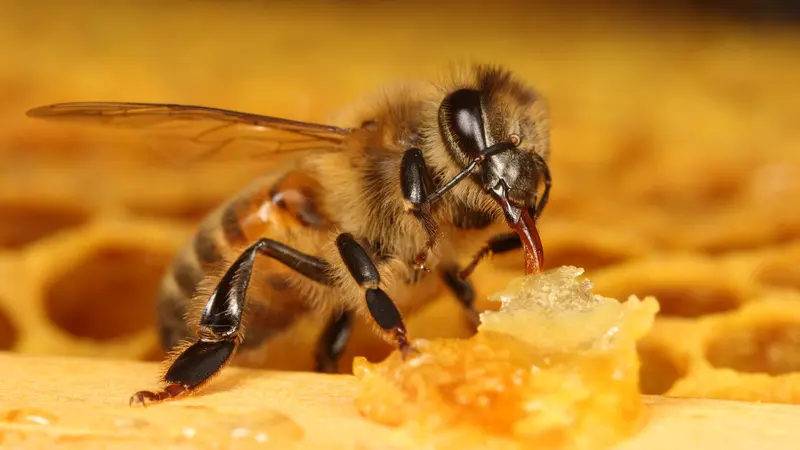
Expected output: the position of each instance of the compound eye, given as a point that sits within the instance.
(464, 120)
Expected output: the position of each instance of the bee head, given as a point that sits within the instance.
(500, 126)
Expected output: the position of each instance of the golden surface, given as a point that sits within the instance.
(82, 403)
(675, 159)
(556, 367)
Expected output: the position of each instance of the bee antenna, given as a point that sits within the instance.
(485, 153)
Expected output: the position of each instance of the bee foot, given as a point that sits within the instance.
(406, 348)
(144, 397)
(408, 352)
(473, 319)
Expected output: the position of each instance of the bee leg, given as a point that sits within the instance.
(464, 293)
(548, 182)
(219, 331)
(380, 306)
(501, 243)
(332, 341)
(417, 184)
(218, 337)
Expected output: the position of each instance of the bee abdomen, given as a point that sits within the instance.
(191, 265)
(273, 305)
(187, 273)
(230, 221)
(172, 306)
(206, 248)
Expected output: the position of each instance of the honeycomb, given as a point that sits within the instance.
(675, 162)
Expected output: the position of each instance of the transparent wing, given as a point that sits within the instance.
(187, 133)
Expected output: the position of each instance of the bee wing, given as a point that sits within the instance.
(187, 133)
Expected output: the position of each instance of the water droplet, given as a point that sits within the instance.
(240, 432)
(30, 416)
(267, 427)
(131, 422)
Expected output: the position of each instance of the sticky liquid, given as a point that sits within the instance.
(556, 367)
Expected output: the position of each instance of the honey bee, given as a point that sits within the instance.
(355, 221)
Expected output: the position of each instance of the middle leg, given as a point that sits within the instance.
(380, 306)
(464, 293)
(332, 341)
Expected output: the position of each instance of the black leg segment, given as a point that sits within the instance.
(312, 267)
(222, 316)
(199, 362)
(417, 185)
(415, 178)
(380, 306)
(357, 261)
(463, 291)
(548, 181)
(219, 330)
(502, 243)
(382, 309)
(333, 340)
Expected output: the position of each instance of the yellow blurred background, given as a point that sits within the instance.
(676, 155)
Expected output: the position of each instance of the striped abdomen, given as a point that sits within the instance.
(280, 207)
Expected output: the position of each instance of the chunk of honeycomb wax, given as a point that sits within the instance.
(555, 367)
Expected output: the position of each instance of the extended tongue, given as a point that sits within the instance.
(531, 243)
(521, 221)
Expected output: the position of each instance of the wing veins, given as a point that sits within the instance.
(179, 122)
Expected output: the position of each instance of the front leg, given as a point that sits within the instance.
(498, 244)
(548, 183)
(417, 185)
(380, 306)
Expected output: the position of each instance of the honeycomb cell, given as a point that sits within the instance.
(8, 331)
(781, 271)
(582, 255)
(111, 293)
(771, 347)
(191, 212)
(681, 296)
(25, 222)
(660, 369)
(693, 301)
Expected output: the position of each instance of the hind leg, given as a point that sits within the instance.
(219, 332)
